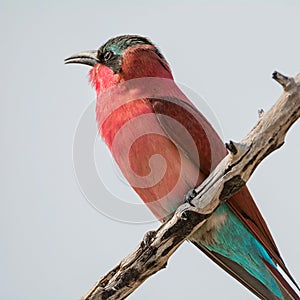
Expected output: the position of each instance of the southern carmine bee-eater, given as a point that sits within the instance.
(165, 147)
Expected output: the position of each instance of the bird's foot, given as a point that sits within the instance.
(189, 196)
(148, 238)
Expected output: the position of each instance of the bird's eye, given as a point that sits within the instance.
(107, 55)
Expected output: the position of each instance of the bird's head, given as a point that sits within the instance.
(123, 58)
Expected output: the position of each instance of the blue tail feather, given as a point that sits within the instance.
(234, 241)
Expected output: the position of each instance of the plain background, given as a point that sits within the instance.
(54, 244)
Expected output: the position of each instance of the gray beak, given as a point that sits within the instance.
(86, 58)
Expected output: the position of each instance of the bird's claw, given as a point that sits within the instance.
(189, 196)
(147, 238)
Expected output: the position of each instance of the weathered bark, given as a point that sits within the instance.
(229, 176)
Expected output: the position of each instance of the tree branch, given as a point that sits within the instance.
(228, 177)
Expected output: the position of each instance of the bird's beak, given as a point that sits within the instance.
(87, 58)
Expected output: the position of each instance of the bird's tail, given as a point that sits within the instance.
(249, 281)
(237, 251)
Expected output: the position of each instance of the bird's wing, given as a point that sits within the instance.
(210, 151)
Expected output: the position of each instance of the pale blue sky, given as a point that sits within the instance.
(54, 245)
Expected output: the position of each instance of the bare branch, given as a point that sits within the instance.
(228, 177)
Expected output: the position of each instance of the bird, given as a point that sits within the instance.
(165, 147)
